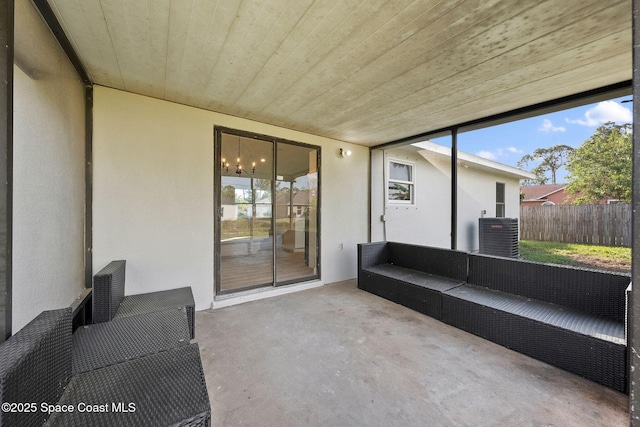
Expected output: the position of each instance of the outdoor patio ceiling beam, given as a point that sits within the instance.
(50, 18)
(587, 97)
(634, 309)
(88, 186)
(6, 163)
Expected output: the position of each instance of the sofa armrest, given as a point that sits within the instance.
(108, 291)
(370, 254)
(35, 366)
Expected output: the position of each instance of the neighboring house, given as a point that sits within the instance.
(300, 204)
(411, 199)
(229, 207)
(548, 194)
(552, 194)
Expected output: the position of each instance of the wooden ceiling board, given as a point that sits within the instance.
(203, 49)
(453, 63)
(505, 73)
(394, 64)
(321, 29)
(513, 98)
(138, 31)
(363, 71)
(288, 69)
(86, 28)
(276, 69)
(264, 45)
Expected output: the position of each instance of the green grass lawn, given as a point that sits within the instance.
(592, 256)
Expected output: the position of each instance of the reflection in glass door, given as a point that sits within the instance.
(296, 213)
(246, 234)
(267, 231)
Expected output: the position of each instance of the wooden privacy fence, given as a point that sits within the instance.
(605, 225)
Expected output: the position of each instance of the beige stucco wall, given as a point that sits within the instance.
(154, 195)
(48, 172)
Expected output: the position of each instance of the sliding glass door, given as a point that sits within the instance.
(267, 211)
(246, 240)
(296, 213)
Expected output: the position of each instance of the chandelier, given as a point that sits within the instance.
(239, 169)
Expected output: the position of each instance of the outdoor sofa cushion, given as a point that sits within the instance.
(109, 343)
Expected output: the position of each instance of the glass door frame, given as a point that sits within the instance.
(217, 206)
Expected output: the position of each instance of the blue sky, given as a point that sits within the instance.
(507, 143)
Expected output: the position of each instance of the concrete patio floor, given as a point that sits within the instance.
(338, 356)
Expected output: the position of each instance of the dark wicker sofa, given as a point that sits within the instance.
(410, 275)
(568, 317)
(110, 302)
(37, 385)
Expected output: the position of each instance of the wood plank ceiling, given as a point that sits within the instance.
(363, 71)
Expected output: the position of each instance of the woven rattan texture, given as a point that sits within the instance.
(571, 319)
(133, 305)
(598, 360)
(370, 254)
(410, 275)
(413, 289)
(596, 292)
(568, 317)
(415, 277)
(437, 261)
(108, 291)
(166, 389)
(105, 344)
(35, 366)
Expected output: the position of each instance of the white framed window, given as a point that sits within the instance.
(500, 197)
(400, 182)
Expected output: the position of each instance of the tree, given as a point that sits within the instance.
(551, 160)
(601, 167)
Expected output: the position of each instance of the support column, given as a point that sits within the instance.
(6, 163)
(634, 304)
(454, 188)
(88, 185)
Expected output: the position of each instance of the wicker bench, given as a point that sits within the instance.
(161, 389)
(109, 301)
(411, 275)
(568, 317)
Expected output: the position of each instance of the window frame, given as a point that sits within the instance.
(411, 183)
(502, 203)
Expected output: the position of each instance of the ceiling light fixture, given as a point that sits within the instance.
(239, 169)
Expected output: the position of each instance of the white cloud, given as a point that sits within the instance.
(486, 155)
(498, 153)
(606, 111)
(547, 126)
